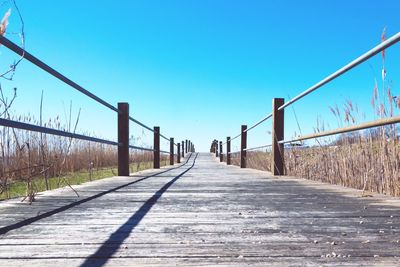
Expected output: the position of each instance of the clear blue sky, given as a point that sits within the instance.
(200, 69)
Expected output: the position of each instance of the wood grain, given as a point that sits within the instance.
(201, 213)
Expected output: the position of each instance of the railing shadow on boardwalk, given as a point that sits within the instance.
(8, 228)
(116, 239)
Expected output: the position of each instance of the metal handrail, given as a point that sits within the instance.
(372, 52)
(166, 138)
(31, 58)
(141, 124)
(122, 165)
(362, 126)
(141, 148)
(258, 147)
(252, 127)
(259, 122)
(148, 128)
(18, 50)
(234, 138)
(46, 130)
(379, 48)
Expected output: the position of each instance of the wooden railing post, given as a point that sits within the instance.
(186, 146)
(183, 149)
(277, 135)
(123, 139)
(171, 151)
(178, 157)
(228, 150)
(216, 149)
(243, 146)
(221, 154)
(156, 147)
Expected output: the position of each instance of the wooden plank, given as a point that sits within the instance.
(203, 214)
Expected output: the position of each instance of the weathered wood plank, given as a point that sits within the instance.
(202, 214)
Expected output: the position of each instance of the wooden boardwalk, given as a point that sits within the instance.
(201, 213)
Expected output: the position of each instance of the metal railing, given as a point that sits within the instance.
(123, 120)
(277, 116)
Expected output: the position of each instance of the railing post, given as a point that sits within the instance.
(178, 157)
(216, 149)
(221, 155)
(183, 149)
(123, 139)
(277, 135)
(228, 150)
(156, 147)
(171, 151)
(243, 146)
(186, 146)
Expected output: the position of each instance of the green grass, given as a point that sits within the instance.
(18, 189)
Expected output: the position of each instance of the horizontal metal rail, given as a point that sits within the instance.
(234, 152)
(258, 147)
(379, 48)
(234, 138)
(148, 149)
(258, 123)
(252, 127)
(45, 130)
(148, 128)
(141, 124)
(164, 138)
(362, 126)
(141, 148)
(18, 50)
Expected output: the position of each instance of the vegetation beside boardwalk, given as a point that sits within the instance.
(32, 162)
(18, 188)
(367, 160)
(372, 166)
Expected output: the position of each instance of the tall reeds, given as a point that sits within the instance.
(367, 160)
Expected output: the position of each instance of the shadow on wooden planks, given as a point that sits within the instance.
(116, 239)
(8, 228)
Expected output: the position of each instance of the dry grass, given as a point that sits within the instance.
(255, 160)
(36, 159)
(369, 165)
(367, 160)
